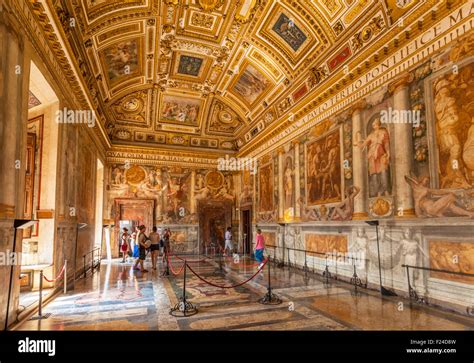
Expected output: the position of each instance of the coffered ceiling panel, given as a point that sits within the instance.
(213, 74)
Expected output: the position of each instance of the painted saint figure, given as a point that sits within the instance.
(378, 153)
(288, 177)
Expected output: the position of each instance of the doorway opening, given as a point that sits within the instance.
(214, 218)
(99, 207)
(246, 247)
(131, 213)
(40, 187)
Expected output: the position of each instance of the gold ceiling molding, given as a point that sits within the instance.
(210, 5)
(135, 155)
(289, 41)
(39, 28)
(364, 60)
(281, 132)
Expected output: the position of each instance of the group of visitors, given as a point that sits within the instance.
(137, 245)
(259, 246)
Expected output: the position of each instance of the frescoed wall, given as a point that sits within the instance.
(403, 155)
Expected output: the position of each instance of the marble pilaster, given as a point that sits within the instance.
(296, 183)
(403, 131)
(281, 191)
(359, 163)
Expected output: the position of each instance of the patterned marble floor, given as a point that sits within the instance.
(119, 298)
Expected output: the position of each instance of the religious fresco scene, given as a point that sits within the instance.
(201, 165)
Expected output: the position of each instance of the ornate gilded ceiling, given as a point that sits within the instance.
(213, 74)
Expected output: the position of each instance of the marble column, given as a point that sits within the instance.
(14, 80)
(403, 141)
(254, 197)
(193, 186)
(14, 74)
(281, 191)
(359, 162)
(296, 145)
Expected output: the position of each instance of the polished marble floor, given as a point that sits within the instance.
(119, 298)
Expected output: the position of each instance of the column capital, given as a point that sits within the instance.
(403, 81)
(358, 106)
(295, 142)
(280, 150)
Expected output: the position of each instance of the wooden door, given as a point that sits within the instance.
(29, 176)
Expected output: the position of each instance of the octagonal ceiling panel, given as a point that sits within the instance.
(212, 74)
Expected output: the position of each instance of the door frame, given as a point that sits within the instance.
(149, 217)
(246, 244)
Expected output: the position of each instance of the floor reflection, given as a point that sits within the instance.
(119, 298)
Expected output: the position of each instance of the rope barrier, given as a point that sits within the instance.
(232, 286)
(58, 277)
(191, 261)
(241, 264)
(171, 267)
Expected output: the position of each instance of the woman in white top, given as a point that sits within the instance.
(228, 241)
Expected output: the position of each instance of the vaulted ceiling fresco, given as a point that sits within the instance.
(213, 74)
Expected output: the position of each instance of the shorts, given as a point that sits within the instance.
(259, 255)
(155, 247)
(228, 244)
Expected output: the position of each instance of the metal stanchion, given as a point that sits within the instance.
(166, 272)
(85, 271)
(40, 306)
(326, 272)
(92, 261)
(65, 276)
(270, 298)
(305, 267)
(40, 315)
(355, 280)
(411, 291)
(184, 308)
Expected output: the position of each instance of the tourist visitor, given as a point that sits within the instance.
(228, 241)
(166, 249)
(155, 246)
(259, 248)
(141, 240)
(124, 247)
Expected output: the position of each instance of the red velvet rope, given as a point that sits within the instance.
(171, 266)
(244, 265)
(232, 286)
(192, 261)
(58, 277)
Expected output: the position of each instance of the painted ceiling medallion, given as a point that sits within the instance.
(135, 175)
(214, 179)
(210, 5)
(131, 104)
(225, 117)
